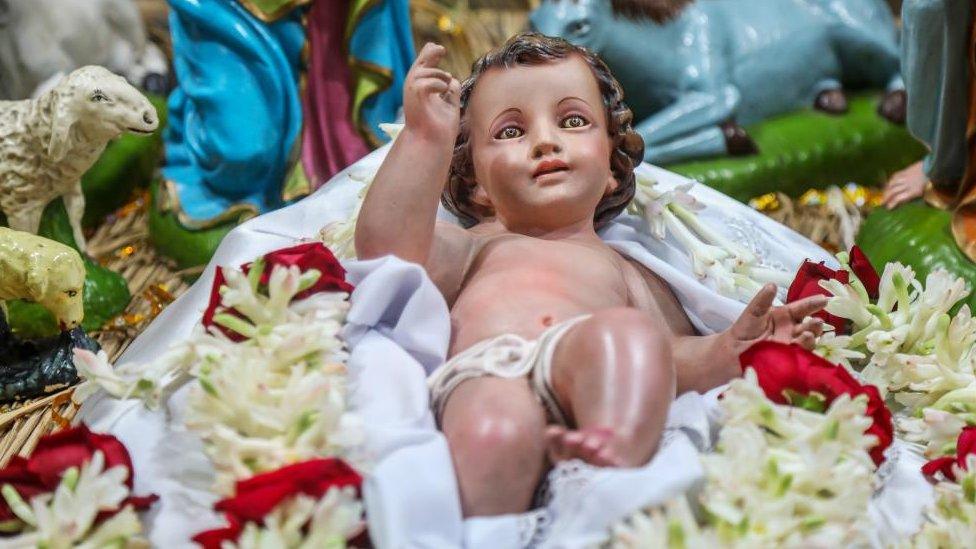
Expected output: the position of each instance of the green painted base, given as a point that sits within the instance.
(188, 247)
(105, 294)
(917, 235)
(128, 163)
(809, 149)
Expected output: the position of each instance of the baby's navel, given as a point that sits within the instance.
(547, 321)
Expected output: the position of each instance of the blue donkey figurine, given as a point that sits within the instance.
(695, 70)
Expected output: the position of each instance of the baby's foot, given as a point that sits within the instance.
(594, 445)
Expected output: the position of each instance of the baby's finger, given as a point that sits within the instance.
(430, 55)
(806, 307)
(806, 340)
(810, 324)
(428, 72)
(762, 301)
(431, 86)
(453, 93)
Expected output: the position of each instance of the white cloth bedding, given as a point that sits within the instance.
(398, 329)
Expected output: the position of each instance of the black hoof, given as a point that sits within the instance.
(831, 102)
(737, 141)
(894, 106)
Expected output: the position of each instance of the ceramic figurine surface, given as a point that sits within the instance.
(272, 99)
(43, 271)
(585, 350)
(51, 274)
(695, 72)
(938, 65)
(940, 71)
(45, 39)
(46, 144)
(237, 126)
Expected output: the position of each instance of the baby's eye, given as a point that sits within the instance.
(574, 121)
(509, 132)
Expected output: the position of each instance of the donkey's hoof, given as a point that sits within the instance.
(894, 106)
(831, 102)
(737, 141)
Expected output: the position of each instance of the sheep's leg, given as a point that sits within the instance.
(26, 218)
(74, 202)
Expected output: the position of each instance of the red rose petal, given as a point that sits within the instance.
(42, 471)
(965, 445)
(254, 505)
(940, 465)
(257, 496)
(213, 539)
(780, 367)
(310, 255)
(865, 272)
(807, 283)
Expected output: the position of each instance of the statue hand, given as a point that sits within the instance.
(790, 323)
(905, 186)
(431, 103)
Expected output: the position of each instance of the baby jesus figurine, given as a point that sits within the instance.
(561, 348)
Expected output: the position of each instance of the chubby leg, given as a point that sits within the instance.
(495, 428)
(614, 375)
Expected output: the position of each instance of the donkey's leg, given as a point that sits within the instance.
(703, 143)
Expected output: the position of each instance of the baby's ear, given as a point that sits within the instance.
(612, 185)
(480, 197)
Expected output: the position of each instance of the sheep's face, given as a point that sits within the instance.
(104, 104)
(62, 293)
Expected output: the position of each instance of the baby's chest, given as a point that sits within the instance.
(558, 267)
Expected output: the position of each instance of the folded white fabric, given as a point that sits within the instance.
(397, 332)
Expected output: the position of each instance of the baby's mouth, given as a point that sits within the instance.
(549, 167)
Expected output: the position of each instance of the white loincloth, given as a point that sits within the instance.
(398, 329)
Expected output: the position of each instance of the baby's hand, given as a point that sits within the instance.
(790, 323)
(431, 97)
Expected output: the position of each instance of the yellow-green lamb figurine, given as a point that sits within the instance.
(44, 271)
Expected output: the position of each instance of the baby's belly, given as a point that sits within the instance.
(527, 312)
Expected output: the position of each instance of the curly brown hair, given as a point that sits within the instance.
(536, 49)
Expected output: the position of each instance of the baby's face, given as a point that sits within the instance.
(540, 146)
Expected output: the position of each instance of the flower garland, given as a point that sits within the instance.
(952, 519)
(73, 491)
(792, 466)
(268, 400)
(903, 338)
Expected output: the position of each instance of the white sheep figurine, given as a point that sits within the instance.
(43, 271)
(48, 143)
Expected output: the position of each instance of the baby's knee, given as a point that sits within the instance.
(503, 432)
(495, 413)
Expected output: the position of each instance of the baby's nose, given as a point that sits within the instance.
(544, 147)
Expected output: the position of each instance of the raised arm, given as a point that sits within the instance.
(400, 209)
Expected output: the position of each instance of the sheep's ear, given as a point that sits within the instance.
(37, 279)
(61, 121)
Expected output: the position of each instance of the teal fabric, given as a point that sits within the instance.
(383, 38)
(235, 116)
